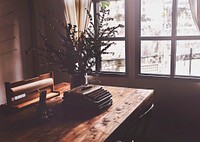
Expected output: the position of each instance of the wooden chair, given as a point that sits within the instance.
(134, 129)
(137, 130)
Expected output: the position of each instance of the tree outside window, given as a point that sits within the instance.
(169, 40)
(114, 59)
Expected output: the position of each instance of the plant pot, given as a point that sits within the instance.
(78, 80)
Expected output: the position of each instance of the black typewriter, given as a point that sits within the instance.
(88, 98)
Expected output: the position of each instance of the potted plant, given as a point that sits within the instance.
(78, 55)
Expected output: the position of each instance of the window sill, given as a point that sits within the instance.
(168, 77)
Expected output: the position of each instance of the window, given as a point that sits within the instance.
(168, 39)
(114, 61)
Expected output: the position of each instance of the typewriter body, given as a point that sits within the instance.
(88, 98)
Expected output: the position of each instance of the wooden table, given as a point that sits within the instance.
(63, 127)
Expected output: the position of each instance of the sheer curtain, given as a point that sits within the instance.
(76, 12)
(195, 8)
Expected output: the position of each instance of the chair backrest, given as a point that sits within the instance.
(138, 129)
(134, 126)
(147, 112)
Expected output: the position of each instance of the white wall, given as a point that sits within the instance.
(13, 29)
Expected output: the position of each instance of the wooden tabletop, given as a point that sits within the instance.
(24, 125)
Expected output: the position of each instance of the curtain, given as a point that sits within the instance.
(195, 8)
(76, 13)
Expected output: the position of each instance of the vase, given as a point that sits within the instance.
(78, 80)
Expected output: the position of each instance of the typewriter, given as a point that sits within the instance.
(87, 99)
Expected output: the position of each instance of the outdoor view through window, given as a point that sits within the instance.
(169, 38)
(114, 61)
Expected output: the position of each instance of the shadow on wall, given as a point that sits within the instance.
(176, 115)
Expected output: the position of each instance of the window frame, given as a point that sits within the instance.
(173, 38)
(98, 64)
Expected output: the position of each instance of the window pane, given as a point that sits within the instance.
(156, 17)
(155, 57)
(188, 58)
(117, 11)
(185, 25)
(114, 60)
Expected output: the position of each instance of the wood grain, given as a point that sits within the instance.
(64, 127)
(125, 101)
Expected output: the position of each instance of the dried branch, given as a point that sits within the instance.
(78, 54)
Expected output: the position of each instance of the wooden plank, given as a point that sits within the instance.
(48, 96)
(24, 124)
(125, 102)
(64, 86)
(61, 87)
